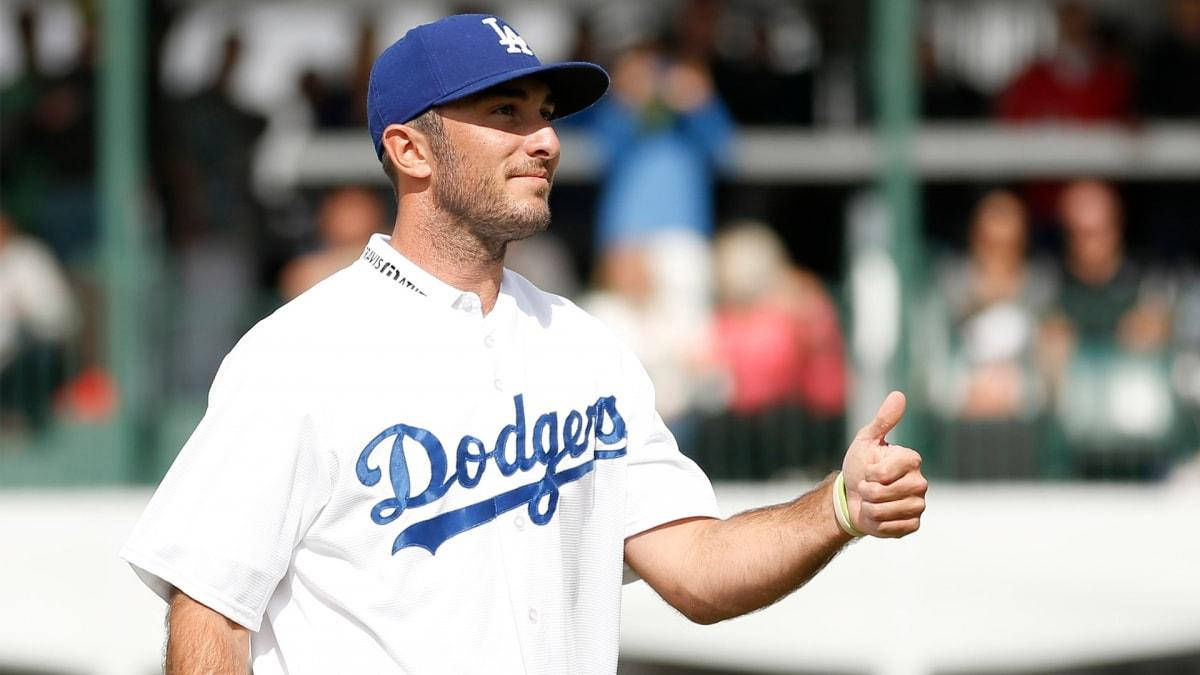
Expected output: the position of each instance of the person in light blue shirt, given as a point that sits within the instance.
(664, 134)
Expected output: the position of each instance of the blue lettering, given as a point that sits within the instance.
(517, 430)
(591, 420)
(606, 409)
(545, 488)
(390, 509)
(465, 458)
(544, 449)
(574, 439)
(471, 457)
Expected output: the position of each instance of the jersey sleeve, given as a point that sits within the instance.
(662, 484)
(246, 486)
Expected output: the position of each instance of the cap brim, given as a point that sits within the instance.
(575, 85)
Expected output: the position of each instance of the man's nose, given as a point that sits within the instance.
(543, 143)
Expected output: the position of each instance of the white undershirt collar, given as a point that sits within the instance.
(392, 267)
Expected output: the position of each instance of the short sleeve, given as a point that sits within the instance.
(662, 484)
(246, 486)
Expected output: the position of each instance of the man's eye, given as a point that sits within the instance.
(547, 114)
(505, 110)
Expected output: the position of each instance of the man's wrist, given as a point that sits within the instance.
(841, 508)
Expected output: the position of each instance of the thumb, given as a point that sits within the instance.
(888, 417)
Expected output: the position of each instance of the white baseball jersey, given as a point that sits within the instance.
(386, 480)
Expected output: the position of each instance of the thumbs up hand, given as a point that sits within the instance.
(884, 485)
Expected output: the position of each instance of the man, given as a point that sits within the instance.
(1107, 342)
(343, 507)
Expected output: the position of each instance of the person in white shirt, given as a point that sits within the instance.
(426, 464)
(39, 317)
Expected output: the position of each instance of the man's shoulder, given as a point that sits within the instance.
(568, 323)
(316, 314)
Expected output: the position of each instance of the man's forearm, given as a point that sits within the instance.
(716, 569)
(200, 640)
(757, 557)
(749, 561)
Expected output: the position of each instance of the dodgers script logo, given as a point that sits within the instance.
(600, 422)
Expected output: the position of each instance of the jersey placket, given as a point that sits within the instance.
(499, 340)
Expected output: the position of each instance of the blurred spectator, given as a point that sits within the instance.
(544, 260)
(777, 345)
(756, 54)
(634, 305)
(584, 45)
(38, 318)
(1082, 80)
(364, 58)
(1167, 77)
(210, 166)
(994, 301)
(214, 222)
(944, 95)
(348, 217)
(341, 104)
(1106, 299)
(984, 379)
(987, 43)
(49, 147)
(1108, 343)
(20, 93)
(329, 105)
(23, 171)
(665, 133)
(776, 331)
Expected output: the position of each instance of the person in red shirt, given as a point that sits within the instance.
(1080, 82)
(776, 332)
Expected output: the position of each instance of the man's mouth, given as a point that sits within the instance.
(532, 173)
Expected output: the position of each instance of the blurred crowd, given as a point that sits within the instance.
(1048, 344)
(1082, 365)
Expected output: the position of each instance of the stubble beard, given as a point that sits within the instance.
(482, 207)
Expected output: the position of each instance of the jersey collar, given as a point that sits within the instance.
(393, 268)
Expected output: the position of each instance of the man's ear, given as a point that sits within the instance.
(409, 151)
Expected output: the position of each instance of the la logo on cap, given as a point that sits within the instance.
(508, 37)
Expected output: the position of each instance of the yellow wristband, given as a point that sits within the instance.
(841, 508)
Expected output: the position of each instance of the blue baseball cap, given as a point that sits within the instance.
(460, 55)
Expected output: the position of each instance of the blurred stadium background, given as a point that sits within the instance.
(788, 208)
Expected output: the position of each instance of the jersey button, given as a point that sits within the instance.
(519, 522)
(499, 384)
(533, 615)
(489, 341)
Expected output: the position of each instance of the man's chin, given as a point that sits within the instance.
(533, 221)
(536, 207)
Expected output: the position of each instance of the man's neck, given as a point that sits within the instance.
(450, 253)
